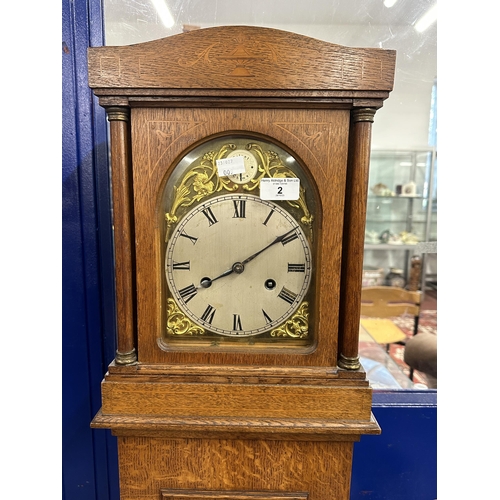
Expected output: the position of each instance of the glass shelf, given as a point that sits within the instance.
(396, 197)
(410, 219)
(387, 246)
(378, 220)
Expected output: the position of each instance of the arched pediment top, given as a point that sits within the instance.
(241, 57)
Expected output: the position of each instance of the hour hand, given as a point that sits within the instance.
(236, 268)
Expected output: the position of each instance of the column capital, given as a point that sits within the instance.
(363, 114)
(126, 358)
(349, 363)
(118, 113)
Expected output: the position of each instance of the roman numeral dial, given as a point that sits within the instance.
(187, 293)
(238, 266)
(209, 314)
(207, 212)
(287, 295)
(296, 268)
(239, 208)
(181, 266)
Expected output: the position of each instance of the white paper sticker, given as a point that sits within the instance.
(230, 166)
(287, 188)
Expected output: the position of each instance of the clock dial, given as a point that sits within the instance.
(251, 167)
(238, 266)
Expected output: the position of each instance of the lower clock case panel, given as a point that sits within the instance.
(230, 495)
(223, 469)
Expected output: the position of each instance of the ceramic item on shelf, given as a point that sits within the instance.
(373, 276)
(395, 278)
(372, 237)
(409, 238)
(385, 236)
(395, 239)
(382, 190)
(409, 189)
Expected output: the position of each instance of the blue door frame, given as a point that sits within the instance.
(89, 458)
(399, 464)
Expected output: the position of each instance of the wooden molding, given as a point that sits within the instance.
(167, 494)
(241, 57)
(307, 429)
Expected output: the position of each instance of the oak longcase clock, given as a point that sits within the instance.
(239, 162)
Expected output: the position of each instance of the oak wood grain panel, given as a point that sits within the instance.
(161, 136)
(129, 397)
(241, 57)
(149, 466)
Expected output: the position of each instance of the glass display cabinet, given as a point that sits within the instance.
(401, 212)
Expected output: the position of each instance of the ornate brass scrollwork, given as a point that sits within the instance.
(202, 181)
(178, 323)
(297, 326)
(272, 166)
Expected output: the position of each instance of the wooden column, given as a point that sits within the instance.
(354, 236)
(119, 117)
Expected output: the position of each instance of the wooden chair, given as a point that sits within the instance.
(379, 304)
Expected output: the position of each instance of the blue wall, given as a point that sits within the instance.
(89, 458)
(399, 464)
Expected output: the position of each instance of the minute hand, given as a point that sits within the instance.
(277, 240)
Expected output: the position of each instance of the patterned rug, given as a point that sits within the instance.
(428, 324)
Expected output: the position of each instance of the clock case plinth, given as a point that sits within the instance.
(228, 424)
